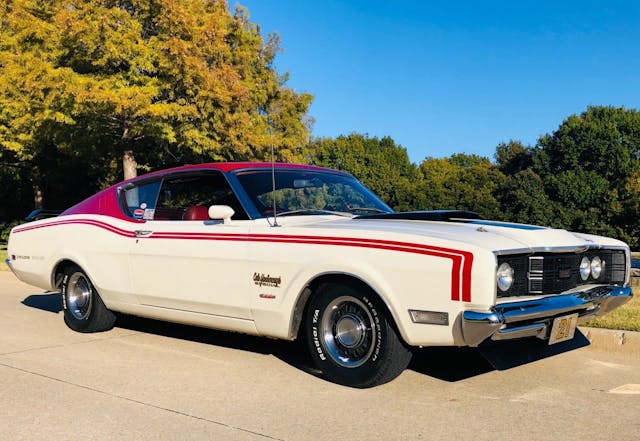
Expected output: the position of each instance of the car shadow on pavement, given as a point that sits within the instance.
(449, 364)
(51, 302)
(456, 364)
(292, 353)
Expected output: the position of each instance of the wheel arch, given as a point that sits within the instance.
(57, 274)
(340, 278)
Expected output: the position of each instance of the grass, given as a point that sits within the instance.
(626, 318)
(3, 255)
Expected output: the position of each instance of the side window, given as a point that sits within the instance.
(189, 196)
(140, 201)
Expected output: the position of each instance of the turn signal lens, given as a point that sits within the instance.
(585, 268)
(429, 317)
(596, 267)
(505, 276)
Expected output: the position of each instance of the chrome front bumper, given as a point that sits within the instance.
(533, 318)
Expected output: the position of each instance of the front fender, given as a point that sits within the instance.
(403, 283)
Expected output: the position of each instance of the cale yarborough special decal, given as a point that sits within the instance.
(262, 280)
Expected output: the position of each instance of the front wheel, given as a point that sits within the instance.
(84, 310)
(351, 339)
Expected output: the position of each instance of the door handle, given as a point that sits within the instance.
(142, 233)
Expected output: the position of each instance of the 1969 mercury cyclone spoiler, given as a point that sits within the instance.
(293, 251)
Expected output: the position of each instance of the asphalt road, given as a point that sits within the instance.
(148, 380)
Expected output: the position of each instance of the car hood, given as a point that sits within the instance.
(490, 235)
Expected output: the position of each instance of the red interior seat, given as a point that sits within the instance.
(196, 212)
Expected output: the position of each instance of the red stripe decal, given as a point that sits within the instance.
(461, 261)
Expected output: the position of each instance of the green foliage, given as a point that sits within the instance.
(523, 199)
(589, 166)
(604, 140)
(173, 82)
(461, 182)
(16, 195)
(380, 164)
(3, 255)
(513, 157)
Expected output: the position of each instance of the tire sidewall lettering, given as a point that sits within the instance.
(377, 331)
(63, 292)
(316, 335)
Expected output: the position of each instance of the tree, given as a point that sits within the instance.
(142, 81)
(605, 140)
(380, 164)
(16, 195)
(513, 157)
(461, 182)
(522, 198)
(588, 165)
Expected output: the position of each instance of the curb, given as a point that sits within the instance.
(619, 342)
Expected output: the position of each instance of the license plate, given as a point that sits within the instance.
(563, 328)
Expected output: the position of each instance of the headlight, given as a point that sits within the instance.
(505, 276)
(585, 268)
(596, 267)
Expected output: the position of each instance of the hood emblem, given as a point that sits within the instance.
(482, 230)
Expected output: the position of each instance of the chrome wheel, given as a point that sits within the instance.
(348, 331)
(79, 296)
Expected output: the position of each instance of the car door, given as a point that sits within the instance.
(181, 259)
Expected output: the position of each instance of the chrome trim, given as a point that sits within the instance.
(535, 275)
(79, 296)
(567, 249)
(348, 331)
(533, 318)
(8, 262)
(534, 330)
(532, 250)
(627, 255)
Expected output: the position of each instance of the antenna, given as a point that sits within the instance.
(270, 130)
(273, 178)
(273, 184)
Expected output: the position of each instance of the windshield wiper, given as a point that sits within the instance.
(366, 210)
(313, 211)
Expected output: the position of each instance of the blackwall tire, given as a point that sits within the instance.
(84, 310)
(351, 339)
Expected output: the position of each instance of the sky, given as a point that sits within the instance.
(451, 77)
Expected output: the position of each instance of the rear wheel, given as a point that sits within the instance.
(351, 339)
(84, 310)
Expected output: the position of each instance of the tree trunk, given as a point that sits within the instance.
(38, 198)
(37, 184)
(129, 165)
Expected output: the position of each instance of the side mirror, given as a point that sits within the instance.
(221, 212)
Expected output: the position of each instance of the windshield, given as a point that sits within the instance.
(308, 192)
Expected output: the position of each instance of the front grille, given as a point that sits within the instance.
(553, 273)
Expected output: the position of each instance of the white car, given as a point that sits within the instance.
(292, 251)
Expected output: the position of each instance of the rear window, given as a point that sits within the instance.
(140, 201)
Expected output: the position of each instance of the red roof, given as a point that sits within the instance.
(233, 166)
(105, 202)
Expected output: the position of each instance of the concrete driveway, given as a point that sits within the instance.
(148, 380)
